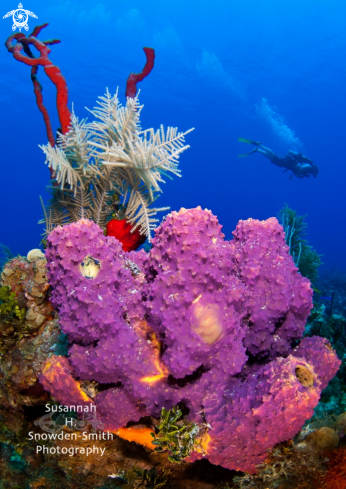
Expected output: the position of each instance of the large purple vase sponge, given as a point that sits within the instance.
(210, 323)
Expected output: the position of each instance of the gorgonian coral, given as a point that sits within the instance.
(108, 157)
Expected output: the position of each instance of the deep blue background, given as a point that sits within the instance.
(216, 60)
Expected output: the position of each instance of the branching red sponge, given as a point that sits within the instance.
(53, 72)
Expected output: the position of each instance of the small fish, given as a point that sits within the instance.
(326, 298)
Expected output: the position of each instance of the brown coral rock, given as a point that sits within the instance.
(25, 345)
(341, 422)
(28, 280)
(323, 438)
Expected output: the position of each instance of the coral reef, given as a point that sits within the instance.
(9, 309)
(336, 476)
(26, 342)
(332, 327)
(324, 437)
(309, 461)
(333, 292)
(198, 320)
(286, 467)
(5, 255)
(212, 327)
(177, 436)
(57, 372)
(21, 464)
(139, 478)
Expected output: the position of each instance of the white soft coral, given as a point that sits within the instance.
(111, 155)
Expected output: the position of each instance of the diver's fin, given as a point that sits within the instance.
(248, 141)
(248, 154)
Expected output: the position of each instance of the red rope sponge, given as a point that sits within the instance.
(53, 72)
(134, 78)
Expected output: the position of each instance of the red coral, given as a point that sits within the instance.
(336, 476)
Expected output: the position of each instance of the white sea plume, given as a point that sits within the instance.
(111, 156)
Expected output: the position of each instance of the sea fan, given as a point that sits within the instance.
(108, 157)
(305, 257)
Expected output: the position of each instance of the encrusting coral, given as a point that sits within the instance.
(26, 342)
(324, 437)
(198, 320)
(336, 476)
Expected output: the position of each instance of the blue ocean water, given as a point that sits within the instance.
(270, 71)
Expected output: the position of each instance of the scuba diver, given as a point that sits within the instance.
(300, 165)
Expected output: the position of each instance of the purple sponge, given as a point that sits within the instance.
(198, 320)
(195, 302)
(255, 413)
(280, 298)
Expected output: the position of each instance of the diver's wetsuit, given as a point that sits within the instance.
(300, 165)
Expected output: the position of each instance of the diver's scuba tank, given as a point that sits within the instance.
(300, 157)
